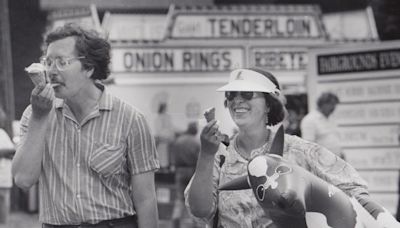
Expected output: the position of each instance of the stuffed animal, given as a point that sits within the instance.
(295, 198)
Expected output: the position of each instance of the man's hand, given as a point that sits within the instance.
(42, 98)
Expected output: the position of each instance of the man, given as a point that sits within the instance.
(317, 127)
(93, 155)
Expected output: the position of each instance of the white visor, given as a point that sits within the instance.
(249, 80)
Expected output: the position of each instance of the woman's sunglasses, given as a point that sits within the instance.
(230, 95)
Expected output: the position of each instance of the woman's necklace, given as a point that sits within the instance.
(247, 155)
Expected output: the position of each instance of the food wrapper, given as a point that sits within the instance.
(36, 73)
(209, 114)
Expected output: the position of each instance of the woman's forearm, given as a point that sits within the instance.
(200, 195)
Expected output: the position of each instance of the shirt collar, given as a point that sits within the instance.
(105, 102)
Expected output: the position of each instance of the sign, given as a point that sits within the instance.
(179, 59)
(370, 135)
(359, 61)
(382, 113)
(366, 79)
(389, 200)
(267, 22)
(279, 58)
(134, 26)
(380, 88)
(372, 159)
(85, 17)
(381, 181)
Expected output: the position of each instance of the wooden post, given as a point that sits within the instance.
(6, 75)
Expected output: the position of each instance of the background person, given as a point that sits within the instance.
(185, 151)
(318, 127)
(7, 147)
(253, 99)
(7, 150)
(164, 135)
(93, 154)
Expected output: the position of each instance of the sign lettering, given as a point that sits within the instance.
(279, 59)
(374, 135)
(359, 62)
(381, 181)
(371, 113)
(176, 59)
(245, 26)
(365, 90)
(373, 158)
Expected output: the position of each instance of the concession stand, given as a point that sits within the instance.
(195, 48)
(181, 57)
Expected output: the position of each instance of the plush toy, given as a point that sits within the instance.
(295, 198)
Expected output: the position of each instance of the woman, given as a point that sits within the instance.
(254, 102)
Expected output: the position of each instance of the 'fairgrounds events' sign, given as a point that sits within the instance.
(366, 78)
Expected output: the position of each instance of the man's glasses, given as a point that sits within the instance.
(61, 62)
(230, 95)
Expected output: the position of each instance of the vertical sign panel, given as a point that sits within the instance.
(366, 79)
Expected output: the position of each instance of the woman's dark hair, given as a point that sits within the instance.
(277, 109)
(89, 44)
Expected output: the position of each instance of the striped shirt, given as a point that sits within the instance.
(86, 168)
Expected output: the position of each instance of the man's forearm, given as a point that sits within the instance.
(148, 214)
(26, 164)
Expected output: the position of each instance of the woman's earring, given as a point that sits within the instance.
(266, 118)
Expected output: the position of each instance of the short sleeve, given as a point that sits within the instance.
(24, 122)
(141, 149)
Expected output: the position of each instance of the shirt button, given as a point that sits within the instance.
(78, 196)
(78, 165)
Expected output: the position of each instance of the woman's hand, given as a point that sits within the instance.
(209, 138)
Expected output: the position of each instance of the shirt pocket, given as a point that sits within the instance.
(107, 159)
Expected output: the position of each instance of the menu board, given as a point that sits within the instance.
(366, 78)
(176, 59)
